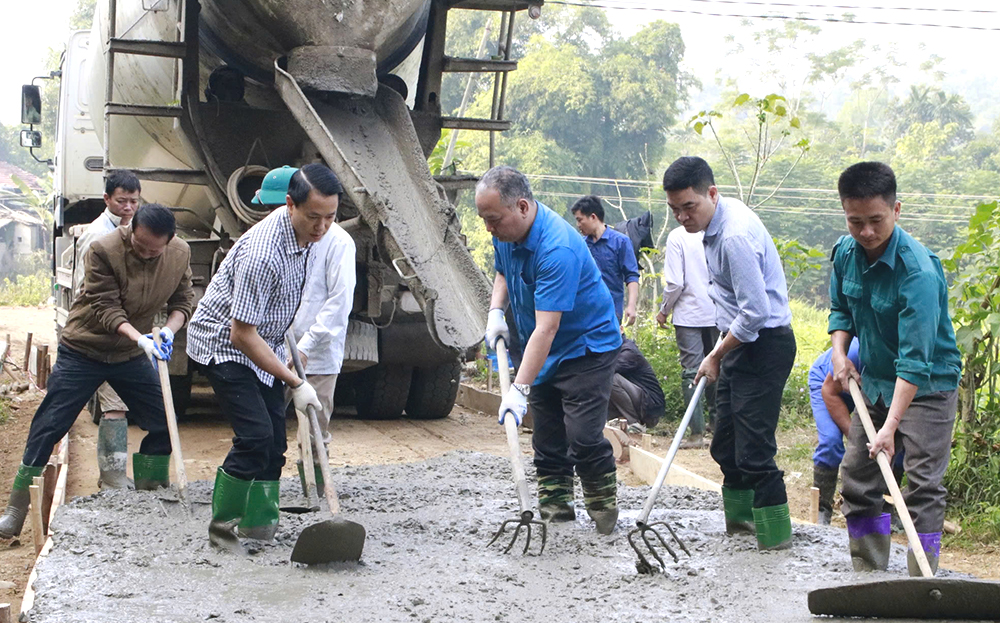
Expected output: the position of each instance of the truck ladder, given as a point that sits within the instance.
(179, 50)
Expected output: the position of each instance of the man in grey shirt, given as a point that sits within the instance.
(754, 359)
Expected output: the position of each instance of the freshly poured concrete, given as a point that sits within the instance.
(129, 556)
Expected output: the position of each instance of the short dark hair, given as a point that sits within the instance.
(313, 176)
(509, 183)
(868, 179)
(121, 178)
(591, 204)
(688, 172)
(158, 219)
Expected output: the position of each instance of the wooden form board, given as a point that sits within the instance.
(646, 466)
(58, 498)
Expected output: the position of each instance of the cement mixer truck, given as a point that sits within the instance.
(201, 98)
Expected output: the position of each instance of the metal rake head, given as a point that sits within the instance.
(642, 530)
(525, 521)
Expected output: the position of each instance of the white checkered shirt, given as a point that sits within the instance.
(260, 283)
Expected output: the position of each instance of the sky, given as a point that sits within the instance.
(30, 28)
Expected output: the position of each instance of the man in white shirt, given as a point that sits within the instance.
(320, 325)
(685, 293)
(121, 200)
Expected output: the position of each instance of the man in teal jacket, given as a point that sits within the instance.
(890, 291)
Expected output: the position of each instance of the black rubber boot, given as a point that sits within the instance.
(555, 498)
(870, 542)
(112, 454)
(825, 479)
(601, 498)
(17, 508)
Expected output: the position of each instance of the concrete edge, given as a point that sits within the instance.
(476, 399)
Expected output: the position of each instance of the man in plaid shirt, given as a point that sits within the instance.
(236, 338)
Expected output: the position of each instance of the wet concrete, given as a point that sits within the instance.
(129, 556)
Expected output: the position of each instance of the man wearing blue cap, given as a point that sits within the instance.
(320, 325)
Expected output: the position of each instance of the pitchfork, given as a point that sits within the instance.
(526, 516)
(642, 528)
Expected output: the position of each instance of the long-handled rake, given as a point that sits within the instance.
(642, 528)
(526, 517)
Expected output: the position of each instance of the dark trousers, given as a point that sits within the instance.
(257, 414)
(570, 411)
(747, 402)
(74, 380)
(627, 401)
(925, 434)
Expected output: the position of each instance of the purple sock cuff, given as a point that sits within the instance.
(858, 527)
(931, 542)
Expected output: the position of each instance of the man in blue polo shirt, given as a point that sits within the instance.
(831, 408)
(890, 291)
(564, 316)
(613, 252)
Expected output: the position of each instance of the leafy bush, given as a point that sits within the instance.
(26, 290)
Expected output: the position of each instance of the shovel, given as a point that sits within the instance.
(525, 516)
(175, 437)
(914, 598)
(336, 539)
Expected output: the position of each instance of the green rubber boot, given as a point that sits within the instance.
(260, 521)
(555, 498)
(229, 504)
(738, 507)
(320, 483)
(774, 527)
(151, 471)
(17, 508)
(601, 498)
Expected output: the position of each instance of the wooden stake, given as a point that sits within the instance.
(5, 613)
(49, 478)
(42, 364)
(37, 532)
(647, 442)
(814, 504)
(27, 351)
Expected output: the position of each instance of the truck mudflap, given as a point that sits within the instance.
(371, 145)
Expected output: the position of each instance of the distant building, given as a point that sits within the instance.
(21, 231)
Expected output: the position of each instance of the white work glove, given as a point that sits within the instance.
(514, 403)
(496, 326)
(303, 396)
(149, 347)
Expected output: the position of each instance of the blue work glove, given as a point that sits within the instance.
(496, 327)
(152, 351)
(167, 339)
(514, 403)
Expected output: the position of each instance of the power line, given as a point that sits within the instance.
(796, 5)
(804, 18)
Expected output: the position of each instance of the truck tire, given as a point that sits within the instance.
(180, 387)
(433, 391)
(381, 391)
(360, 347)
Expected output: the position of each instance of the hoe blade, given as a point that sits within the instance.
(333, 540)
(912, 598)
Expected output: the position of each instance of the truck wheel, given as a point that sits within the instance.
(180, 387)
(433, 391)
(381, 391)
(94, 406)
(360, 347)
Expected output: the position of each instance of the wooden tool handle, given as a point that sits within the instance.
(510, 427)
(890, 481)
(317, 434)
(168, 407)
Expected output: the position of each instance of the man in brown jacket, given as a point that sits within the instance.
(131, 274)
